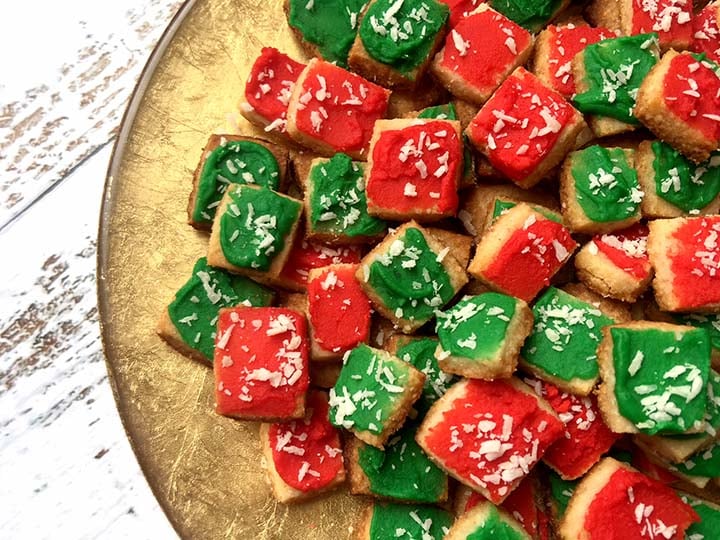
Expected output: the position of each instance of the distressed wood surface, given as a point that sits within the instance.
(67, 467)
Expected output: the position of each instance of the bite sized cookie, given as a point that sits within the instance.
(679, 101)
(325, 28)
(673, 185)
(489, 435)
(333, 110)
(336, 204)
(404, 522)
(599, 190)
(267, 91)
(338, 311)
(396, 40)
(427, 92)
(525, 129)
(555, 48)
(501, 205)
(460, 244)
(654, 377)
(460, 9)
(233, 159)
(480, 336)
(608, 75)
(706, 31)
(401, 471)
(521, 252)
(253, 231)
(374, 394)
(637, 504)
(480, 51)
(303, 457)
(616, 265)
(410, 275)
(709, 518)
(414, 167)
(685, 254)
(711, 323)
(486, 521)
(586, 438)
(189, 322)
(562, 344)
(261, 363)
(531, 15)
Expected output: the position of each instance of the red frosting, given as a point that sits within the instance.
(270, 85)
(641, 462)
(586, 438)
(695, 261)
(339, 108)
(483, 48)
(261, 362)
(627, 250)
(706, 34)
(492, 435)
(307, 453)
(565, 43)
(631, 505)
(671, 19)
(520, 124)
(530, 257)
(416, 168)
(339, 309)
(692, 93)
(305, 255)
(461, 8)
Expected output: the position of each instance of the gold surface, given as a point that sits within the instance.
(203, 468)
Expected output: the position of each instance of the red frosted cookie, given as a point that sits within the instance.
(671, 19)
(706, 33)
(521, 251)
(525, 129)
(303, 458)
(268, 90)
(333, 110)
(338, 311)
(586, 438)
(461, 8)
(414, 169)
(479, 52)
(616, 502)
(489, 435)
(261, 363)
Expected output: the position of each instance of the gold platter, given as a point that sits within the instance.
(203, 468)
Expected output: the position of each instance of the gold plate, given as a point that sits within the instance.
(203, 468)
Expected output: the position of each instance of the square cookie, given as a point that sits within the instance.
(261, 364)
(706, 31)
(531, 15)
(485, 522)
(404, 522)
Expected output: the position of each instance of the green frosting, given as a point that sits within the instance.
(254, 226)
(614, 70)
(606, 186)
(708, 526)
(401, 33)
(235, 162)
(409, 279)
(661, 377)
(330, 25)
(409, 522)
(440, 112)
(683, 183)
(705, 463)
(421, 354)
(475, 328)
(338, 204)
(194, 310)
(501, 206)
(711, 323)
(564, 339)
(712, 413)
(495, 527)
(402, 471)
(561, 491)
(530, 14)
(370, 387)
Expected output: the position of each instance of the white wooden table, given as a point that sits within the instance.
(66, 73)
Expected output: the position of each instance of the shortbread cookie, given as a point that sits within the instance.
(485, 522)
(532, 15)
(261, 363)
(706, 31)
(460, 245)
(374, 394)
(304, 457)
(480, 336)
(654, 377)
(404, 522)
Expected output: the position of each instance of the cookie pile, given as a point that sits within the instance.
(471, 268)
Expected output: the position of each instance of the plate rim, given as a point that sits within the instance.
(127, 123)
